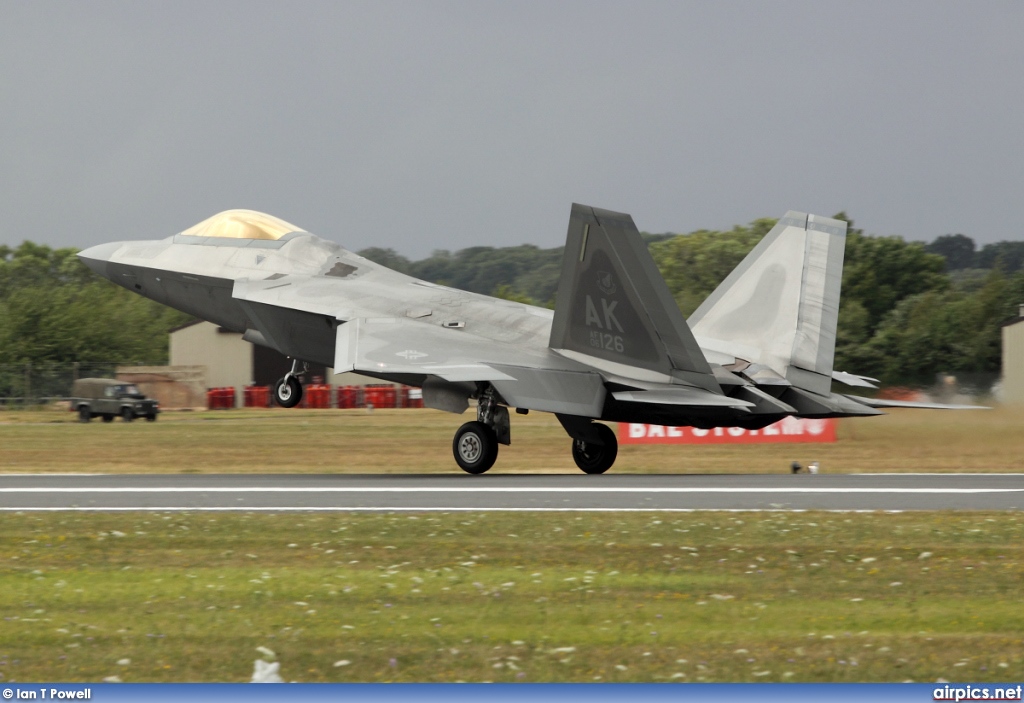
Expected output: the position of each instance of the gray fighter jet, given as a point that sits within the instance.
(615, 348)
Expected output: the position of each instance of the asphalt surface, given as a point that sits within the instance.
(249, 492)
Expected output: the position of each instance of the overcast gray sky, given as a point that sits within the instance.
(442, 125)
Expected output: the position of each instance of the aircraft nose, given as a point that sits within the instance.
(97, 257)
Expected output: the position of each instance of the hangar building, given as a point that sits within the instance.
(231, 361)
(1013, 360)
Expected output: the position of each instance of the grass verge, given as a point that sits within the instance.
(419, 441)
(513, 597)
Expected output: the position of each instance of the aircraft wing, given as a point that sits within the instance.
(390, 345)
(539, 380)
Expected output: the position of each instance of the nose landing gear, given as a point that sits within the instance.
(288, 390)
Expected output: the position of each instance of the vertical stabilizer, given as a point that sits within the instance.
(780, 305)
(613, 309)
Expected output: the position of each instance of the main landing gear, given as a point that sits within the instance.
(288, 390)
(475, 446)
(594, 446)
(476, 443)
(594, 458)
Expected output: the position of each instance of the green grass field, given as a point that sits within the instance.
(505, 596)
(414, 441)
(513, 597)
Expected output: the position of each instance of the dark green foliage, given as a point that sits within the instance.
(953, 331)
(878, 273)
(958, 250)
(54, 309)
(1008, 257)
(881, 271)
(694, 264)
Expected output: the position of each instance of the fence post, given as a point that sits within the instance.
(28, 383)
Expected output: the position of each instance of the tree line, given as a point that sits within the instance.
(908, 312)
(54, 310)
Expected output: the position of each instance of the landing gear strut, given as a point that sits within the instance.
(476, 443)
(288, 390)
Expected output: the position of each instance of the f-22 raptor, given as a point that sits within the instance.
(616, 348)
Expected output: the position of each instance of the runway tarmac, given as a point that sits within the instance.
(283, 492)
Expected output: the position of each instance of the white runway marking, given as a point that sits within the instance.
(491, 489)
(403, 509)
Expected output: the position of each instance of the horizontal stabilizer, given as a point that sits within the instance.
(682, 396)
(810, 404)
(764, 404)
(924, 405)
(853, 380)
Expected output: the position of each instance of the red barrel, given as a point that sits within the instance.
(316, 395)
(371, 396)
(256, 396)
(220, 398)
(321, 396)
(346, 397)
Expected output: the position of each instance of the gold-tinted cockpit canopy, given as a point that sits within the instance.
(242, 224)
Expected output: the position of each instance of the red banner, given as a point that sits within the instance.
(791, 429)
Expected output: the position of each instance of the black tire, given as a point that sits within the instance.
(151, 417)
(288, 392)
(127, 414)
(84, 415)
(107, 417)
(475, 447)
(593, 458)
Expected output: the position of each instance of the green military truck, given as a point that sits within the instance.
(107, 398)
